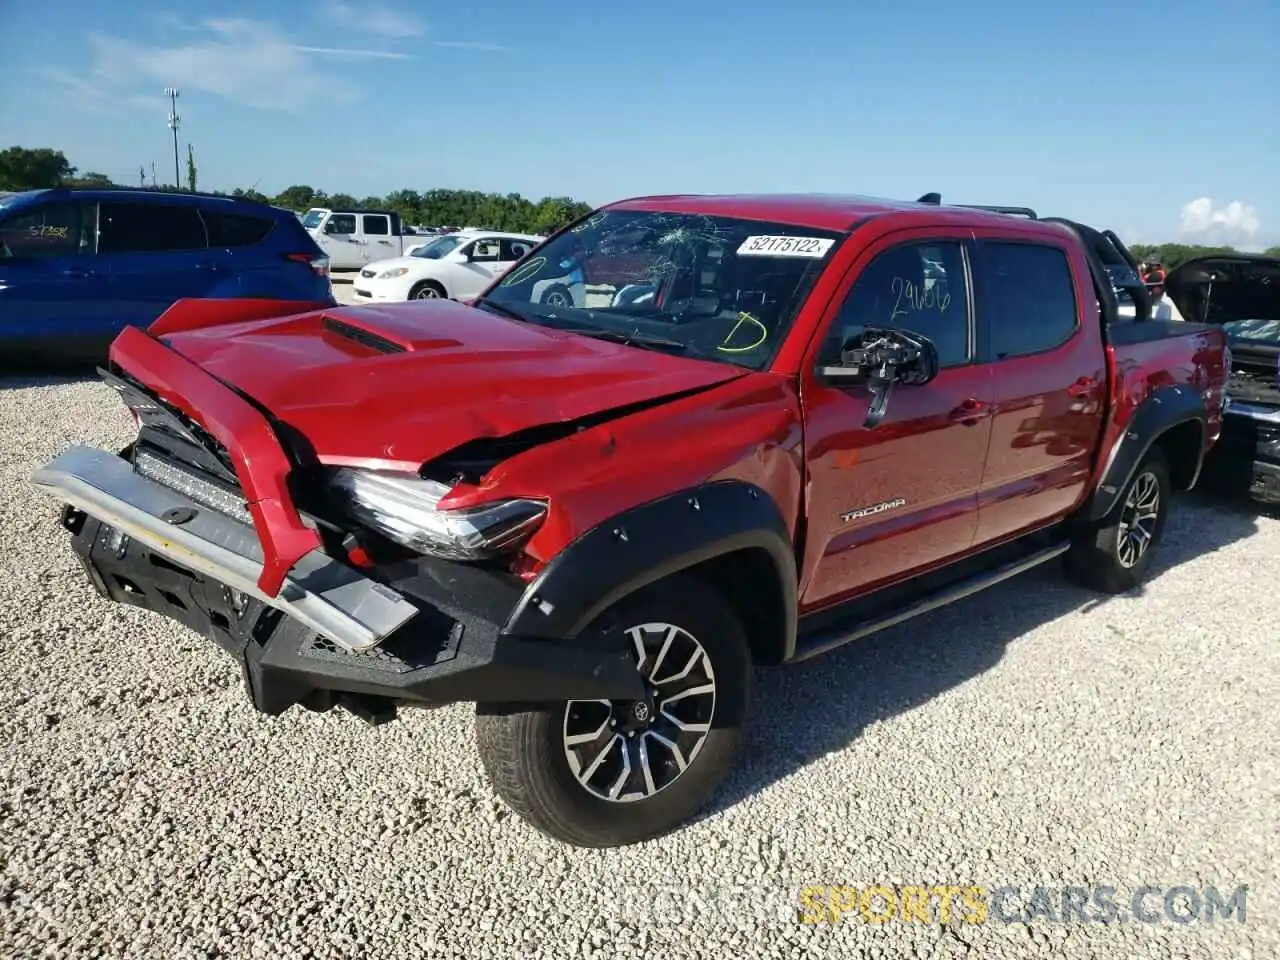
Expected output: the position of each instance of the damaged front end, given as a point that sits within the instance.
(358, 594)
(1241, 292)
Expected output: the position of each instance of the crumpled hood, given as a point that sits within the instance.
(401, 384)
(1225, 288)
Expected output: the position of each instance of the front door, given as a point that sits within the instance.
(342, 243)
(482, 266)
(1050, 385)
(900, 496)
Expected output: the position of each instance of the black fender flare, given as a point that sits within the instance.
(1164, 409)
(649, 542)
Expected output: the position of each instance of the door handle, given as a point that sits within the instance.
(969, 412)
(77, 272)
(1082, 387)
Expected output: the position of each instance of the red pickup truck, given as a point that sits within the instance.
(796, 420)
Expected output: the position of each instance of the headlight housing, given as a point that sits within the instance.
(393, 272)
(405, 508)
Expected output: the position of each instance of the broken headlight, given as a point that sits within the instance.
(405, 508)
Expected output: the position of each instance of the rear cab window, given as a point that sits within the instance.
(377, 225)
(1026, 297)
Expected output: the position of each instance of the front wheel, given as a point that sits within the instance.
(427, 290)
(600, 773)
(1113, 554)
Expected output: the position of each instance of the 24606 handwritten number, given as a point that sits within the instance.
(911, 298)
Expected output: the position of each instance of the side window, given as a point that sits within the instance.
(515, 249)
(341, 223)
(235, 230)
(486, 251)
(377, 225)
(50, 230)
(918, 287)
(1026, 297)
(149, 228)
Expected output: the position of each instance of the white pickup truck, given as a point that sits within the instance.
(353, 238)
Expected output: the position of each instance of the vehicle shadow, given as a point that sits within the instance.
(25, 376)
(804, 712)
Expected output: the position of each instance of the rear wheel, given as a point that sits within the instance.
(427, 290)
(601, 773)
(1113, 554)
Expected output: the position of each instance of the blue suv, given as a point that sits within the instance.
(79, 265)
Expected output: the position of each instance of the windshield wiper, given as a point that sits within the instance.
(503, 309)
(633, 339)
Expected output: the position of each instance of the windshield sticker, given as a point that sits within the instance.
(524, 271)
(814, 248)
(744, 317)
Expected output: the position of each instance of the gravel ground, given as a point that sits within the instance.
(1030, 736)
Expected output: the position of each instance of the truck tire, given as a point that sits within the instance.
(427, 290)
(601, 774)
(1112, 555)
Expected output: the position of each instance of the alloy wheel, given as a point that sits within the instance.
(1138, 520)
(623, 751)
(427, 293)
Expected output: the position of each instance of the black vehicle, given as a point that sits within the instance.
(1242, 293)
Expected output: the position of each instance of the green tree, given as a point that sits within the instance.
(1272, 252)
(250, 194)
(25, 169)
(191, 168)
(297, 197)
(89, 180)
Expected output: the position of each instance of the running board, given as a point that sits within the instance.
(840, 633)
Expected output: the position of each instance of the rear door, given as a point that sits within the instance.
(1050, 383)
(900, 496)
(378, 241)
(54, 299)
(155, 253)
(241, 263)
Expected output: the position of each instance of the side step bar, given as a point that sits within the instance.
(838, 634)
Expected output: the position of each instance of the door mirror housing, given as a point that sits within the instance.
(878, 358)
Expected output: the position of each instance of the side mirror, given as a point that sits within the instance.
(879, 357)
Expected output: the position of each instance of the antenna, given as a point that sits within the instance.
(174, 120)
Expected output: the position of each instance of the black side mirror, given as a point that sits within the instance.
(878, 358)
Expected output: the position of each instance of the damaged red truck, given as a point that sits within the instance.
(685, 436)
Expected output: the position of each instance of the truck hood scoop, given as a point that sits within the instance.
(398, 385)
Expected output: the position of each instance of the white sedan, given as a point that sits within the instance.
(455, 266)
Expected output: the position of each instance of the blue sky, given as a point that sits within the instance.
(1157, 118)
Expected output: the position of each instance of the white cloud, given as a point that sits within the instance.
(246, 61)
(1235, 223)
(377, 19)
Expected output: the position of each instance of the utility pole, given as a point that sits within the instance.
(142, 176)
(153, 173)
(174, 120)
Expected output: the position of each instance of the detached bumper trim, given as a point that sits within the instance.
(328, 597)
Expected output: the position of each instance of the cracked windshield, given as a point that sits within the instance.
(715, 288)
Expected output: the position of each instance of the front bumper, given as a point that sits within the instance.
(424, 632)
(1246, 458)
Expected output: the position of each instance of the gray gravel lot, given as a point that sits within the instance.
(1032, 735)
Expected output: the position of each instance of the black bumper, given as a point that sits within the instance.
(453, 651)
(1246, 459)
